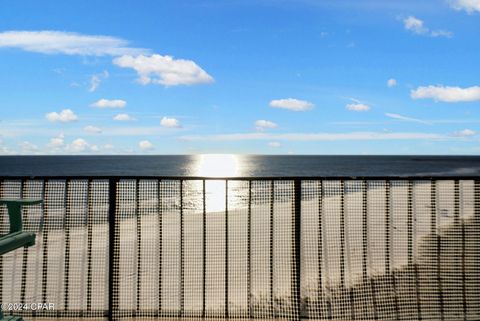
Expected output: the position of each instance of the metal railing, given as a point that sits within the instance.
(358, 248)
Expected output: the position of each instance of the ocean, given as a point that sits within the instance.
(240, 165)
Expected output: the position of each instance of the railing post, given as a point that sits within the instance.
(45, 234)
(138, 224)
(112, 250)
(296, 282)
(182, 254)
(23, 284)
(434, 222)
(204, 248)
(226, 248)
(160, 246)
(272, 259)
(66, 226)
(249, 250)
(89, 214)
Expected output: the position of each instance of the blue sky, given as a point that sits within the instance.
(249, 77)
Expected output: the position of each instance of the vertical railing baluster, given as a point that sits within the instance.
(138, 221)
(347, 250)
(272, 200)
(89, 243)
(226, 248)
(23, 284)
(387, 227)
(113, 255)
(204, 248)
(409, 225)
(160, 246)
(67, 206)
(464, 281)
(249, 250)
(474, 234)
(45, 243)
(456, 202)
(436, 231)
(413, 207)
(364, 232)
(342, 234)
(459, 222)
(388, 248)
(366, 258)
(182, 254)
(325, 255)
(38, 243)
(476, 202)
(297, 224)
(320, 244)
(365, 261)
(2, 193)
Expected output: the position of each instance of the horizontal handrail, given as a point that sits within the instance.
(246, 178)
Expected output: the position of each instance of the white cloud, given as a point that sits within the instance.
(65, 116)
(417, 26)
(441, 33)
(145, 145)
(262, 125)
(316, 136)
(151, 68)
(405, 118)
(164, 70)
(108, 146)
(6, 151)
(94, 83)
(464, 133)
(69, 43)
(291, 104)
(470, 6)
(77, 146)
(92, 129)
(357, 107)
(107, 103)
(57, 142)
(447, 94)
(274, 144)
(391, 82)
(28, 148)
(123, 117)
(96, 79)
(170, 122)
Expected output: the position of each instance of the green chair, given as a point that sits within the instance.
(17, 237)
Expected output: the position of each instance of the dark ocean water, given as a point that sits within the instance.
(240, 165)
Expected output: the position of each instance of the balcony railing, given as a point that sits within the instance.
(371, 248)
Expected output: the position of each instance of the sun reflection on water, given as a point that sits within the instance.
(216, 165)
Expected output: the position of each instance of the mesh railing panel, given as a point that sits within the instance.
(67, 266)
(394, 249)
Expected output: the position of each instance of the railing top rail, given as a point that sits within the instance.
(241, 178)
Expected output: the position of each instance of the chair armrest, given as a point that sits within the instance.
(14, 207)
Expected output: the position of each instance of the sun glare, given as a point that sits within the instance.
(217, 165)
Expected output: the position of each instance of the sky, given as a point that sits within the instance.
(363, 77)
